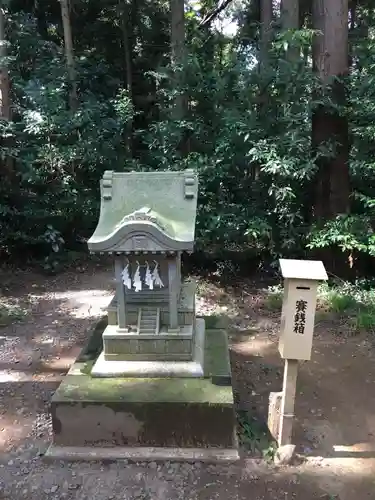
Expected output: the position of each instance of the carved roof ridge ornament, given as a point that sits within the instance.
(107, 185)
(190, 183)
(142, 214)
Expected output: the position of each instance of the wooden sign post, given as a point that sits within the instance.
(301, 280)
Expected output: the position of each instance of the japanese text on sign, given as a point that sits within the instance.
(300, 316)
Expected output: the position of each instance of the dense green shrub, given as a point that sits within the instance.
(247, 133)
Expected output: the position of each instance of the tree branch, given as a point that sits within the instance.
(222, 5)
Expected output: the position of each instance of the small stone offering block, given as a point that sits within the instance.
(301, 280)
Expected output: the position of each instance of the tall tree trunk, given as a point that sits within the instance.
(7, 163)
(266, 15)
(4, 74)
(126, 17)
(205, 107)
(290, 21)
(330, 53)
(330, 60)
(290, 14)
(265, 18)
(178, 54)
(352, 10)
(69, 54)
(352, 26)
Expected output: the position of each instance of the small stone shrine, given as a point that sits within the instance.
(153, 382)
(147, 220)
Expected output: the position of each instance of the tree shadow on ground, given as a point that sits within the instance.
(21, 282)
(342, 412)
(36, 353)
(334, 416)
(331, 416)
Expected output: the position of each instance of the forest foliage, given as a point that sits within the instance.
(246, 125)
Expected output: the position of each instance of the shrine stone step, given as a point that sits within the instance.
(149, 329)
(148, 320)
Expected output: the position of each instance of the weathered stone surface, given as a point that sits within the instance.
(158, 412)
(112, 314)
(285, 455)
(194, 423)
(216, 321)
(145, 368)
(214, 358)
(216, 354)
(137, 349)
(129, 454)
(94, 343)
(145, 363)
(158, 381)
(146, 211)
(151, 412)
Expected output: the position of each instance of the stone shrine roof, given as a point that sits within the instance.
(146, 211)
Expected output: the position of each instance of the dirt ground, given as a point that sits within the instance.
(335, 428)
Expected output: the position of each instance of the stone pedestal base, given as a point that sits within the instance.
(123, 346)
(150, 412)
(142, 454)
(104, 368)
(107, 417)
(175, 363)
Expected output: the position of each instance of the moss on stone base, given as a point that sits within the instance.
(83, 388)
(94, 345)
(216, 363)
(156, 424)
(156, 412)
(216, 321)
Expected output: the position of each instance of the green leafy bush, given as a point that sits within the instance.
(247, 133)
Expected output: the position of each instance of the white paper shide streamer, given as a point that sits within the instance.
(151, 278)
(149, 281)
(156, 277)
(126, 277)
(137, 282)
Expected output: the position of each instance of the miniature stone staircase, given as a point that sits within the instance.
(148, 320)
